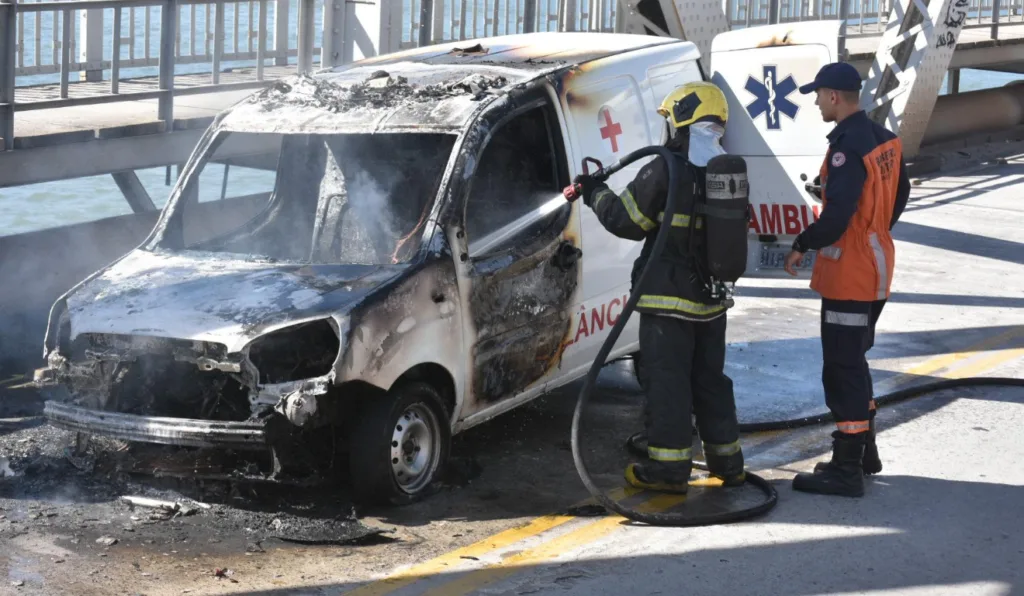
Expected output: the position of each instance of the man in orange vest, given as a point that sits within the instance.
(864, 189)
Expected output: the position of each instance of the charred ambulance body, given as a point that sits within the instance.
(400, 265)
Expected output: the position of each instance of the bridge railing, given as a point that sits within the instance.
(867, 17)
(83, 39)
(444, 21)
(82, 52)
(203, 34)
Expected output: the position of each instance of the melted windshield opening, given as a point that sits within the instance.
(349, 198)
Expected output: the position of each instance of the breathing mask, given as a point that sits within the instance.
(705, 142)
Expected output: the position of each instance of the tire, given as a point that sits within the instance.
(399, 446)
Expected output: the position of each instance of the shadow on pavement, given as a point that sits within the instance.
(909, 532)
(962, 242)
(974, 188)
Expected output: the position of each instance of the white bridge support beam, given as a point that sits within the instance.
(357, 29)
(91, 44)
(134, 192)
(910, 63)
(697, 21)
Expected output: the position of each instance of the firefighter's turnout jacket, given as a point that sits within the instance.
(673, 286)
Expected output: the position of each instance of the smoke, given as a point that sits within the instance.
(357, 220)
(37, 267)
(374, 196)
(371, 231)
(347, 199)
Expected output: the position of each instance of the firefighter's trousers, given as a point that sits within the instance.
(847, 333)
(683, 372)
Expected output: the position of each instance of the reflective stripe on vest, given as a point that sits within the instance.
(880, 261)
(832, 252)
(864, 271)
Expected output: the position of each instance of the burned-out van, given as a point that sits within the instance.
(395, 262)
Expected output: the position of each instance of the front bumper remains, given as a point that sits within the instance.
(182, 432)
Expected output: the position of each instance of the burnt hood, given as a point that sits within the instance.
(215, 297)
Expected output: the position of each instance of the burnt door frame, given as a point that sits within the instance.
(521, 298)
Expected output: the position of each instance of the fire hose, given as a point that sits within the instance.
(572, 193)
(634, 441)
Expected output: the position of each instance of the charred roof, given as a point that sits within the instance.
(530, 51)
(433, 88)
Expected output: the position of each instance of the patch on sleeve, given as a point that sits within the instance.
(838, 159)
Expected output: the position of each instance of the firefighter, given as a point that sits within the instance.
(863, 190)
(682, 330)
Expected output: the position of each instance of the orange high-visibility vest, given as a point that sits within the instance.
(860, 265)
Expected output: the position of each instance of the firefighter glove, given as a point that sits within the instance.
(589, 186)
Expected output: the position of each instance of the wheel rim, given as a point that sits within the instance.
(415, 448)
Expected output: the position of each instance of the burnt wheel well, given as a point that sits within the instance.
(436, 376)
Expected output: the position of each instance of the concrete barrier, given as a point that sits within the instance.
(37, 267)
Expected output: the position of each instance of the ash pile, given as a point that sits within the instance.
(95, 491)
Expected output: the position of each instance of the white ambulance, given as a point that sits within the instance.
(399, 265)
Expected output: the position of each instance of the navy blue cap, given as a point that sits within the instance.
(841, 76)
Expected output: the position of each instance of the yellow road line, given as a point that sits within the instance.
(594, 530)
(945, 360)
(454, 558)
(549, 550)
(443, 562)
(987, 363)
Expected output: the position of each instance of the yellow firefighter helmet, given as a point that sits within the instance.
(699, 101)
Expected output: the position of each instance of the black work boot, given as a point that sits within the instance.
(844, 475)
(726, 463)
(668, 477)
(871, 463)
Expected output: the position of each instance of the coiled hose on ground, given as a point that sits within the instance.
(633, 443)
(771, 496)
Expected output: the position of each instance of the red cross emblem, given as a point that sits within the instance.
(610, 129)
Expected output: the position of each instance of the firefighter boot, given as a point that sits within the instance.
(668, 477)
(726, 463)
(844, 475)
(872, 463)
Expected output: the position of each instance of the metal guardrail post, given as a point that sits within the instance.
(91, 44)
(332, 45)
(773, 12)
(65, 52)
(218, 39)
(8, 46)
(261, 43)
(995, 19)
(115, 53)
(281, 29)
(530, 16)
(168, 35)
(426, 20)
(844, 11)
(307, 13)
(569, 15)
